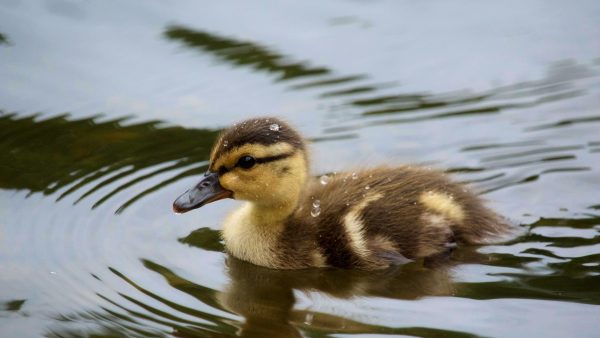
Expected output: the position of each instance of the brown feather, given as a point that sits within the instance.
(368, 219)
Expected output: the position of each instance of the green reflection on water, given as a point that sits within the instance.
(66, 156)
(204, 238)
(394, 108)
(555, 276)
(4, 39)
(243, 53)
(14, 305)
(47, 155)
(265, 298)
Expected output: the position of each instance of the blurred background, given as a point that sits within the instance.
(108, 111)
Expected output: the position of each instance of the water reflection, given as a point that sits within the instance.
(243, 53)
(560, 83)
(67, 156)
(266, 300)
(4, 39)
(547, 263)
(253, 55)
(531, 146)
(13, 305)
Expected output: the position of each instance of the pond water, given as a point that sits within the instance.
(108, 111)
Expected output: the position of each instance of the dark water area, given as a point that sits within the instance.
(108, 112)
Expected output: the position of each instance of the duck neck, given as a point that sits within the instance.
(271, 214)
(252, 232)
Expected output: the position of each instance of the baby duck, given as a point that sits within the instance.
(369, 219)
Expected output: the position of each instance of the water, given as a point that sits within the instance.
(108, 113)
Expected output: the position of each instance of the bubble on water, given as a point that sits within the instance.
(274, 127)
(324, 179)
(316, 204)
(354, 176)
(367, 187)
(315, 211)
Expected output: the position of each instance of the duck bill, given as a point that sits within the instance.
(206, 191)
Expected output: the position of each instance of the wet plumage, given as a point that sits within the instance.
(367, 219)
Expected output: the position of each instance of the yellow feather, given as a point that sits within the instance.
(442, 204)
(354, 225)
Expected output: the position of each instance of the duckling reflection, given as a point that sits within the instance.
(265, 297)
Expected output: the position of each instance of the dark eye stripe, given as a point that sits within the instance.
(260, 160)
(273, 158)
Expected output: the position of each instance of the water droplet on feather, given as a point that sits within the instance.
(315, 212)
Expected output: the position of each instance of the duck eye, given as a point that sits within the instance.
(246, 162)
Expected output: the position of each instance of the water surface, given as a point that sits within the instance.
(108, 112)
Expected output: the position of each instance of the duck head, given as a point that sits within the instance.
(261, 160)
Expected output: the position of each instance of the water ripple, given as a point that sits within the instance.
(89, 246)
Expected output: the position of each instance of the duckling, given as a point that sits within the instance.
(370, 219)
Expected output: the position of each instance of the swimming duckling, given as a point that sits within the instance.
(368, 220)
